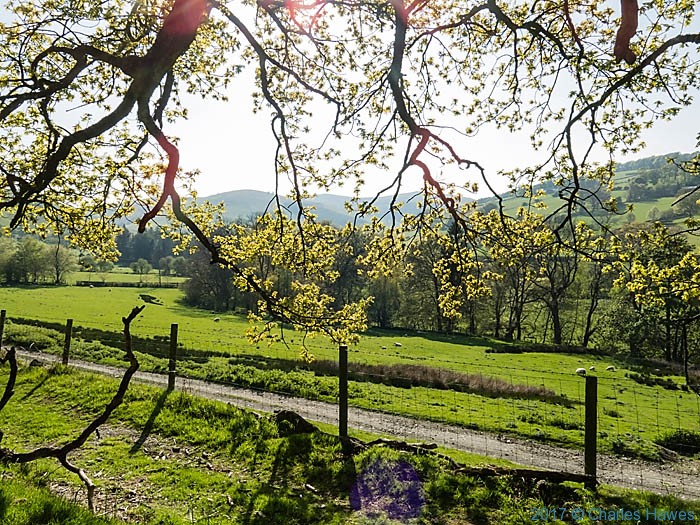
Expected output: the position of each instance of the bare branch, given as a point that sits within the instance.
(11, 357)
(61, 453)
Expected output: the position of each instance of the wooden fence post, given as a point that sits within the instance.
(2, 325)
(590, 446)
(343, 390)
(66, 343)
(173, 356)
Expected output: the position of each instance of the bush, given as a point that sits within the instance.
(632, 447)
(642, 379)
(686, 442)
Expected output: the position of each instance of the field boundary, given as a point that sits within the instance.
(125, 284)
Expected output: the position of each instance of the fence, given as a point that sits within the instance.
(126, 284)
(519, 415)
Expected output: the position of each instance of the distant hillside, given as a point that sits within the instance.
(649, 184)
(241, 204)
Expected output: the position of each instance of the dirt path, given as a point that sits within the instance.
(677, 478)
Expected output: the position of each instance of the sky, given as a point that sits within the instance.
(234, 148)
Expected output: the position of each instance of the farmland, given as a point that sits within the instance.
(632, 415)
(172, 458)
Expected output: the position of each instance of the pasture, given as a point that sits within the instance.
(175, 459)
(631, 415)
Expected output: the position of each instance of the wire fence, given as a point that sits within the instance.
(646, 426)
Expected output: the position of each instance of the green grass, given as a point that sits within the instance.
(209, 463)
(22, 503)
(629, 412)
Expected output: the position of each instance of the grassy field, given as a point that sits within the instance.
(174, 459)
(631, 415)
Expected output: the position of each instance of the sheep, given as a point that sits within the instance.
(611, 368)
(592, 369)
(398, 345)
(383, 347)
(217, 319)
(581, 371)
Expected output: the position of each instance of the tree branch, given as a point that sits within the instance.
(61, 453)
(11, 357)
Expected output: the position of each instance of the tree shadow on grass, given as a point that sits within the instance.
(148, 427)
(35, 388)
(300, 489)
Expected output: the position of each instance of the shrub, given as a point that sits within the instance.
(643, 379)
(566, 424)
(686, 442)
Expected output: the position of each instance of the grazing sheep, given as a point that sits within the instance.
(398, 344)
(217, 319)
(592, 369)
(383, 347)
(611, 368)
(581, 371)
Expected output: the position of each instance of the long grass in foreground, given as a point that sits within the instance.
(170, 458)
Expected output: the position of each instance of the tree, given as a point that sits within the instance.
(8, 246)
(408, 83)
(180, 266)
(141, 267)
(513, 246)
(61, 452)
(658, 273)
(30, 263)
(165, 265)
(654, 214)
(386, 303)
(210, 286)
(63, 261)
(556, 267)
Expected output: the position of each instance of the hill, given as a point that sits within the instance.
(650, 185)
(242, 204)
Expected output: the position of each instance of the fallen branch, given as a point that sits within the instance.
(480, 472)
(292, 423)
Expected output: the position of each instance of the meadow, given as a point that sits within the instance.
(632, 416)
(169, 458)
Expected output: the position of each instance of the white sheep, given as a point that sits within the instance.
(398, 345)
(611, 368)
(581, 371)
(592, 369)
(217, 319)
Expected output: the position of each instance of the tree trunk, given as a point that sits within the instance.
(497, 316)
(684, 350)
(556, 322)
(667, 326)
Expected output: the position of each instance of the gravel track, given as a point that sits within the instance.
(680, 478)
